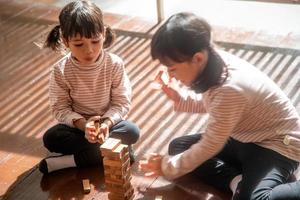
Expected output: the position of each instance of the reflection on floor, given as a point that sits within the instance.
(24, 70)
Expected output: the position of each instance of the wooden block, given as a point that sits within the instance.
(158, 198)
(162, 78)
(112, 163)
(117, 153)
(121, 150)
(118, 181)
(123, 169)
(121, 157)
(118, 164)
(111, 186)
(117, 157)
(97, 126)
(165, 78)
(101, 139)
(113, 176)
(107, 153)
(118, 170)
(86, 186)
(125, 157)
(118, 189)
(110, 144)
(121, 172)
(113, 196)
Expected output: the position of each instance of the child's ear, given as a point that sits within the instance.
(199, 60)
(199, 57)
(65, 43)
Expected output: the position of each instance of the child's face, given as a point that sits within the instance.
(181, 71)
(85, 50)
(187, 71)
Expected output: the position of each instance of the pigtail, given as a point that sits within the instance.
(53, 40)
(109, 37)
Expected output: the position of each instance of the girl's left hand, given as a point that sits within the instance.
(152, 166)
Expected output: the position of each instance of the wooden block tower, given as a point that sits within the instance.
(117, 172)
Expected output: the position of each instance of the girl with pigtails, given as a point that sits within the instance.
(88, 84)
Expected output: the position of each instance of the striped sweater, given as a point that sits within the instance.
(248, 107)
(78, 91)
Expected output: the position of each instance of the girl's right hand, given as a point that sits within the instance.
(90, 130)
(168, 85)
(171, 93)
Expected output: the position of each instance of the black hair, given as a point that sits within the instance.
(79, 17)
(179, 38)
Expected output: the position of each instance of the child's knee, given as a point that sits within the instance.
(174, 147)
(133, 136)
(133, 133)
(49, 138)
(130, 136)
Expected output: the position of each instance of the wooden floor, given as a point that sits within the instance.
(24, 113)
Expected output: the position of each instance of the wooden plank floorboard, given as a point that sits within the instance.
(24, 70)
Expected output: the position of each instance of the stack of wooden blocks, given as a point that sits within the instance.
(117, 172)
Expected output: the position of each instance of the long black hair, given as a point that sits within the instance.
(179, 38)
(79, 17)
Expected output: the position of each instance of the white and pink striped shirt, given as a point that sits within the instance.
(81, 91)
(248, 107)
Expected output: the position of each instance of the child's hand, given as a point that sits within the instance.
(103, 132)
(151, 166)
(160, 79)
(91, 134)
(169, 86)
(171, 93)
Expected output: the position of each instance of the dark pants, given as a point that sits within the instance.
(66, 140)
(265, 172)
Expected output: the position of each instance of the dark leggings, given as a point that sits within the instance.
(265, 173)
(66, 140)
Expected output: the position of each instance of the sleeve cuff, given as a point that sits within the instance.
(73, 117)
(114, 119)
(169, 167)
